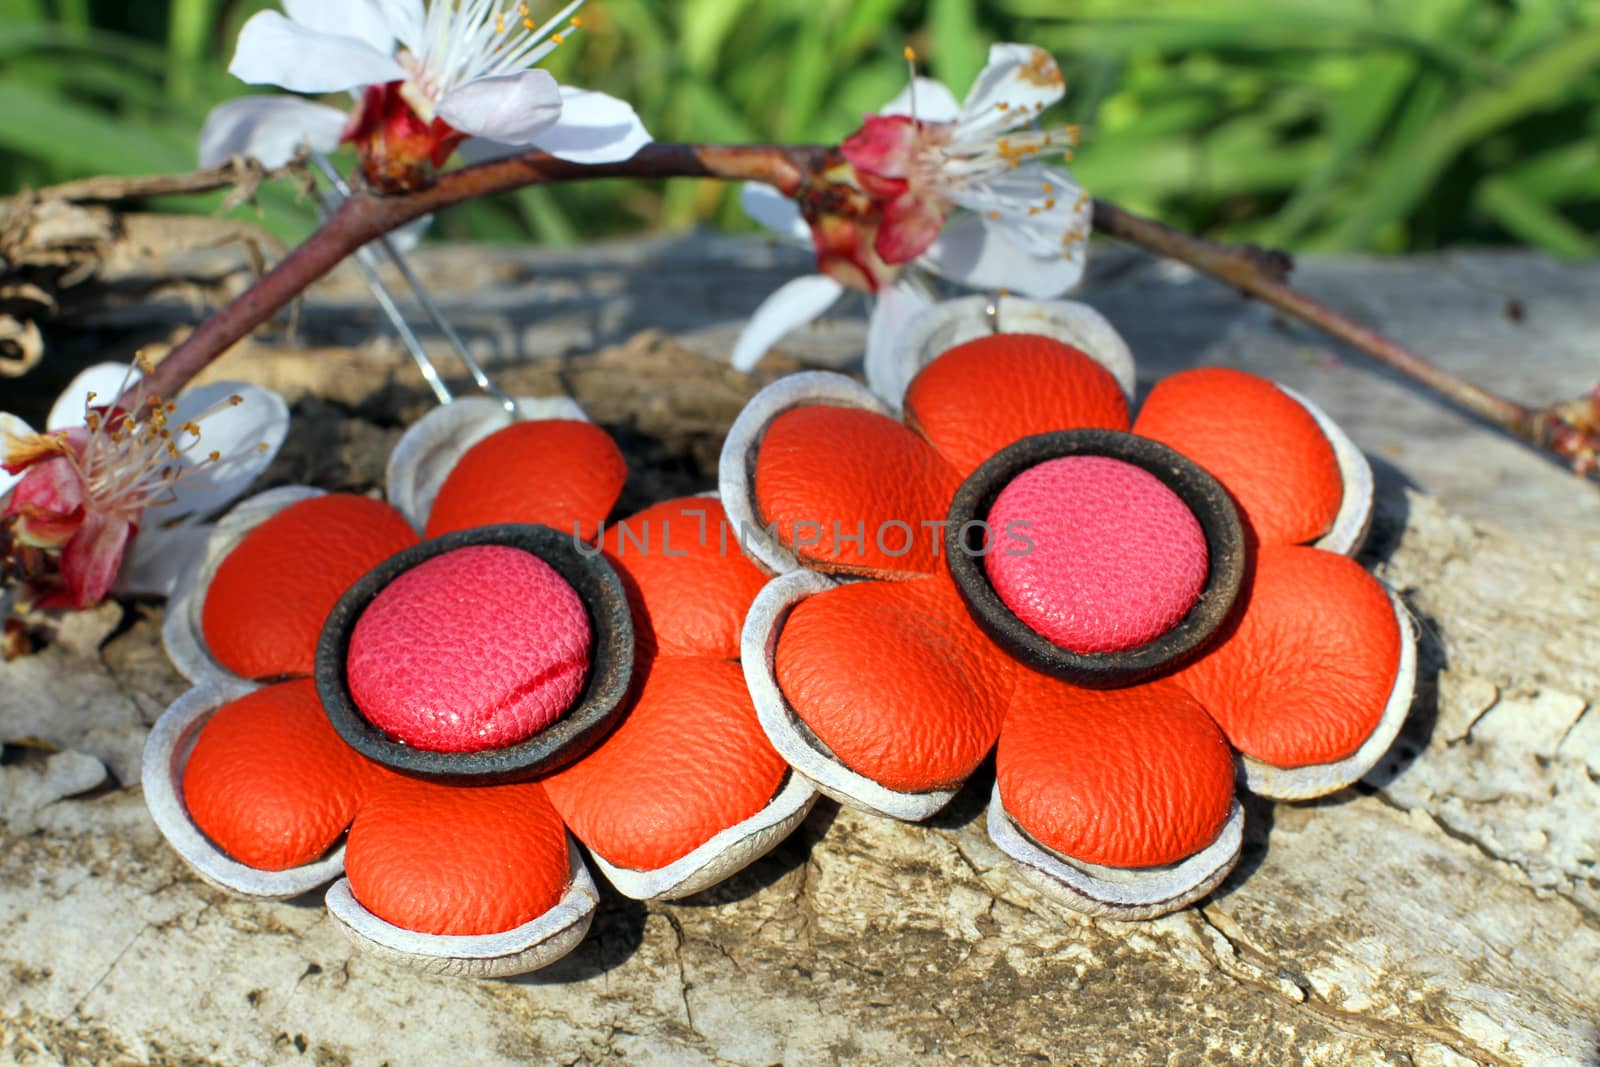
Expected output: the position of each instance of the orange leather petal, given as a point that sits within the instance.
(269, 598)
(455, 859)
(1259, 442)
(559, 472)
(981, 396)
(688, 762)
(1132, 777)
(270, 783)
(688, 581)
(1304, 674)
(896, 679)
(849, 490)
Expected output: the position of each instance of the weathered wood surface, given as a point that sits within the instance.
(1447, 911)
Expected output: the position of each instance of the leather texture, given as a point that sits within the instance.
(267, 602)
(896, 679)
(560, 473)
(1259, 442)
(688, 761)
(1132, 777)
(270, 783)
(475, 649)
(1114, 558)
(981, 396)
(1303, 674)
(688, 582)
(453, 859)
(826, 474)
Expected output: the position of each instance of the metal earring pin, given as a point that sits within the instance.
(430, 307)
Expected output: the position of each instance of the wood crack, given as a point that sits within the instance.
(1253, 967)
(1488, 852)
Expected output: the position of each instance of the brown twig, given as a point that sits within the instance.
(366, 215)
(1568, 431)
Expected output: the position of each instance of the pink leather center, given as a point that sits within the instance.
(1095, 554)
(475, 649)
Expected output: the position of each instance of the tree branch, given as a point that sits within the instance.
(365, 215)
(1568, 431)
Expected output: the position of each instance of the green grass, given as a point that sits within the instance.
(1382, 125)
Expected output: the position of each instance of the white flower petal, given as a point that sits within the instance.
(935, 102)
(237, 431)
(892, 312)
(1037, 205)
(158, 557)
(275, 51)
(10, 427)
(794, 304)
(1060, 232)
(978, 254)
(776, 212)
(405, 20)
(105, 380)
(270, 129)
(367, 21)
(1019, 82)
(594, 128)
(513, 108)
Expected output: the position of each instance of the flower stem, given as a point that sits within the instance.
(1569, 432)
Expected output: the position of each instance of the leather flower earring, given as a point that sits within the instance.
(472, 678)
(1137, 611)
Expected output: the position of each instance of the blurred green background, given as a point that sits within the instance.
(1378, 125)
